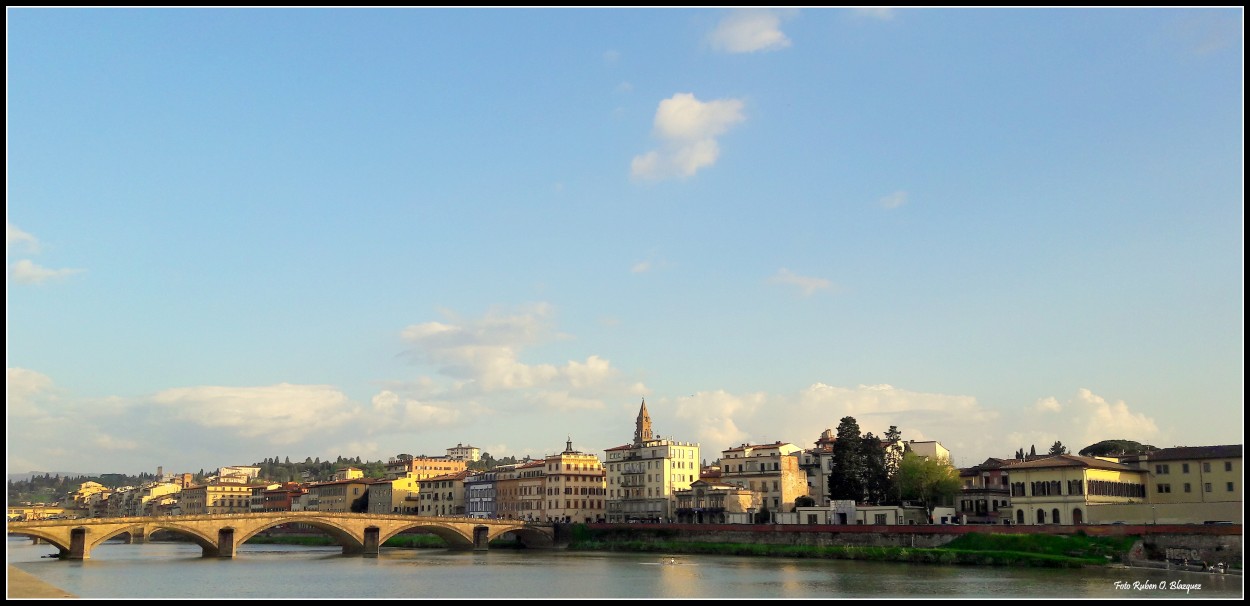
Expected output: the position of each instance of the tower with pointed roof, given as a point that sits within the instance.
(642, 427)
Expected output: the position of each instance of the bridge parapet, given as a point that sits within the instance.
(220, 535)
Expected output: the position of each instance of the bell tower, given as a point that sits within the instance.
(642, 427)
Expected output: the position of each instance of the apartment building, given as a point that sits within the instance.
(575, 487)
(643, 475)
(770, 471)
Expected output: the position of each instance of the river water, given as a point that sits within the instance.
(176, 570)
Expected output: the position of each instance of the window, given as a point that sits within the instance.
(1206, 487)
(1161, 469)
(1230, 487)
(879, 519)
(1184, 467)
(1206, 468)
(1186, 486)
(1164, 488)
(1228, 465)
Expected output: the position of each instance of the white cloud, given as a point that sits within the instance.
(611, 56)
(688, 129)
(1049, 404)
(624, 87)
(893, 200)
(28, 272)
(884, 13)
(640, 267)
(748, 31)
(108, 442)
(28, 393)
(280, 414)
(15, 236)
(807, 284)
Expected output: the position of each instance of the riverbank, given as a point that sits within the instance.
(1048, 551)
(23, 585)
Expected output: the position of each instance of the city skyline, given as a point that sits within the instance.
(239, 233)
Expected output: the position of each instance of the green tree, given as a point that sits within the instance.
(1058, 448)
(876, 470)
(846, 478)
(1110, 448)
(932, 482)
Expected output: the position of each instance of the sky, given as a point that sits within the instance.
(235, 234)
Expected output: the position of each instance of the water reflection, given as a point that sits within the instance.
(176, 570)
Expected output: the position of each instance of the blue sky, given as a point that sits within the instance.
(237, 234)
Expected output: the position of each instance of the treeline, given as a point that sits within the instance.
(49, 487)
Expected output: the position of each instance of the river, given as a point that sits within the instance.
(176, 570)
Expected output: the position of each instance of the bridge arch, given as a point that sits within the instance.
(207, 543)
(345, 538)
(54, 540)
(527, 535)
(454, 537)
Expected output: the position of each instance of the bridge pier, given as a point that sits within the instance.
(225, 543)
(373, 543)
(78, 549)
(36, 541)
(481, 538)
(138, 537)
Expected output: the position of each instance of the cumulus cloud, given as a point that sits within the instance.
(280, 414)
(485, 352)
(884, 13)
(16, 237)
(687, 129)
(748, 31)
(807, 284)
(893, 200)
(28, 393)
(28, 272)
(1048, 405)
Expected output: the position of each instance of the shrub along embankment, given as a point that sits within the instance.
(971, 549)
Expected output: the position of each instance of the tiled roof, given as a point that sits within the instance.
(1072, 461)
(1231, 451)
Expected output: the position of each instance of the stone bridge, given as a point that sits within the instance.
(220, 535)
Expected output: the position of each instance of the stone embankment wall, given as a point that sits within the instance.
(1209, 543)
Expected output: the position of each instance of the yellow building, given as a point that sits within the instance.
(423, 467)
(1069, 489)
(642, 476)
(442, 495)
(1190, 484)
(338, 496)
(400, 495)
(711, 502)
(215, 498)
(771, 471)
(575, 487)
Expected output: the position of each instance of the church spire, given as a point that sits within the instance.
(642, 427)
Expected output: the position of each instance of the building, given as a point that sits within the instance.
(931, 449)
(1191, 484)
(216, 498)
(480, 495)
(985, 492)
(643, 475)
(464, 453)
(400, 495)
(280, 498)
(817, 464)
(575, 489)
(519, 490)
(348, 473)
(442, 495)
(771, 471)
(422, 468)
(340, 496)
(1071, 489)
(711, 502)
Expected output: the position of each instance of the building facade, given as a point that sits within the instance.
(465, 453)
(643, 475)
(575, 487)
(770, 471)
(1069, 489)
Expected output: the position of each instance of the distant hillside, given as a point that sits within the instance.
(22, 477)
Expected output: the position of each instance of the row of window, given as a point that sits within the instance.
(1165, 468)
(1206, 487)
